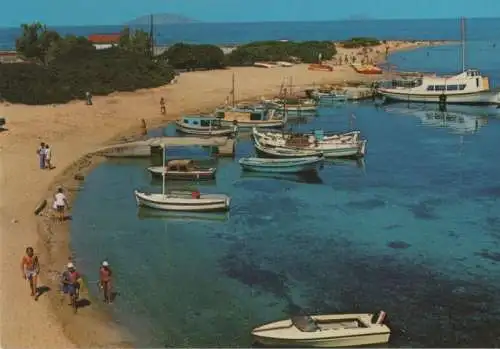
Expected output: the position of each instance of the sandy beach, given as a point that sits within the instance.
(74, 130)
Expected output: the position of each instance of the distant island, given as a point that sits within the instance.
(162, 18)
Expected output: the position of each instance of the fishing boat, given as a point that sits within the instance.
(182, 170)
(182, 200)
(277, 139)
(292, 105)
(249, 119)
(204, 126)
(328, 96)
(295, 165)
(336, 330)
(334, 147)
(467, 87)
(284, 153)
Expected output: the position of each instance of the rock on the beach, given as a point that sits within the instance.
(79, 177)
(14, 221)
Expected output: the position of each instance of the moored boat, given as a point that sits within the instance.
(368, 69)
(250, 119)
(277, 139)
(204, 126)
(181, 200)
(284, 153)
(182, 170)
(294, 165)
(335, 330)
(292, 105)
(334, 147)
(468, 87)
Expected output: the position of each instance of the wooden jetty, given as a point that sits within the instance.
(145, 148)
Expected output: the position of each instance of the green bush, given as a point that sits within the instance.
(68, 67)
(191, 57)
(360, 42)
(306, 52)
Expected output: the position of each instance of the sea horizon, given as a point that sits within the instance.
(244, 32)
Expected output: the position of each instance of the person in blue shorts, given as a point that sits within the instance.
(70, 281)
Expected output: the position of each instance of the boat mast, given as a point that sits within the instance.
(151, 36)
(462, 38)
(163, 173)
(232, 91)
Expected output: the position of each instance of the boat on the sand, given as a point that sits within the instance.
(183, 170)
(335, 330)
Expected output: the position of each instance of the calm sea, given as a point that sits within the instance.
(413, 230)
(236, 33)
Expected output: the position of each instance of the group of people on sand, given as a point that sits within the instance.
(44, 153)
(71, 279)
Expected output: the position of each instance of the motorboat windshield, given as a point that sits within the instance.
(305, 323)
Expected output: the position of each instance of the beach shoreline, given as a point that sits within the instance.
(76, 131)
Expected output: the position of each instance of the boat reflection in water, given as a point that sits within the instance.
(148, 213)
(459, 122)
(311, 177)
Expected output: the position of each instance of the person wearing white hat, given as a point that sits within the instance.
(71, 281)
(105, 281)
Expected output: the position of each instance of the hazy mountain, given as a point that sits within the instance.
(162, 18)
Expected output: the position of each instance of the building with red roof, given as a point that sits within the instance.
(102, 41)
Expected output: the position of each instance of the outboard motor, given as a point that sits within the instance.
(381, 317)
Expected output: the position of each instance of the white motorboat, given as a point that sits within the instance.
(278, 139)
(182, 200)
(467, 87)
(336, 330)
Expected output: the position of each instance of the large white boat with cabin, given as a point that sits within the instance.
(468, 87)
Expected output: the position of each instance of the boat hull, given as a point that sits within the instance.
(480, 98)
(205, 131)
(277, 153)
(206, 203)
(333, 342)
(286, 166)
(251, 124)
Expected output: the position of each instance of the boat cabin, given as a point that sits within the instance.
(181, 165)
(469, 81)
(200, 121)
(243, 115)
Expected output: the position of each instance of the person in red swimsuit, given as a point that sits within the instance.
(30, 269)
(105, 281)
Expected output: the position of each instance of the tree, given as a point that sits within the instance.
(69, 47)
(138, 41)
(35, 41)
(190, 57)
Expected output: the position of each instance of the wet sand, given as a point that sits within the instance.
(74, 131)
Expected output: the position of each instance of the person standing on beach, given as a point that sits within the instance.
(30, 268)
(60, 203)
(71, 281)
(41, 155)
(105, 274)
(163, 109)
(48, 153)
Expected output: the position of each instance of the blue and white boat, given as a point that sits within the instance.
(250, 118)
(204, 126)
(295, 165)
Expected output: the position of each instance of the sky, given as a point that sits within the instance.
(116, 12)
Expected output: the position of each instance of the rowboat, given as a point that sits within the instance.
(276, 152)
(204, 126)
(294, 165)
(181, 200)
(295, 106)
(182, 170)
(335, 330)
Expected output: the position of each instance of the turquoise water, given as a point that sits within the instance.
(413, 230)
